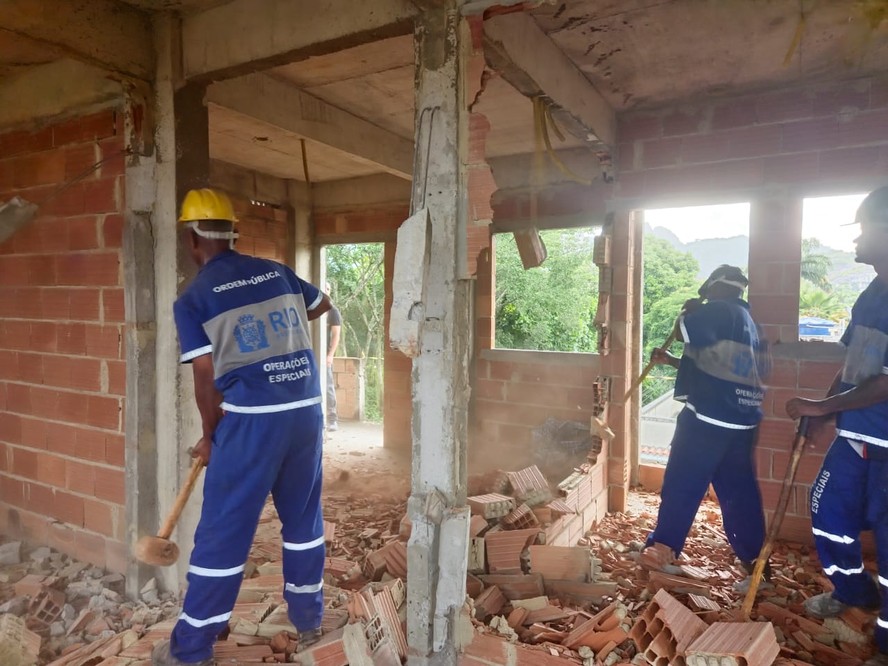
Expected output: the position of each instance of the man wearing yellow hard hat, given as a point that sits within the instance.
(243, 325)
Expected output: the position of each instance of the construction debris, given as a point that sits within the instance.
(587, 603)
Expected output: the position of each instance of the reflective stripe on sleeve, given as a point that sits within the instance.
(194, 353)
(317, 301)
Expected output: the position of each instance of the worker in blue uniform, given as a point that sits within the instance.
(243, 326)
(720, 380)
(850, 493)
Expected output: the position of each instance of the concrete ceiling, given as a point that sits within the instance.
(18, 53)
(637, 53)
(653, 52)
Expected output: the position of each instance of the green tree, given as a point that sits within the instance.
(815, 265)
(670, 278)
(815, 302)
(551, 307)
(356, 277)
(666, 270)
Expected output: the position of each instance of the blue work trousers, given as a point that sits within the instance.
(252, 455)
(849, 495)
(702, 453)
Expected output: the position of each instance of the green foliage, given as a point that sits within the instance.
(666, 271)
(815, 265)
(551, 307)
(356, 276)
(815, 302)
(670, 278)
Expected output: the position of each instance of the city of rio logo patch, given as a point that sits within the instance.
(250, 334)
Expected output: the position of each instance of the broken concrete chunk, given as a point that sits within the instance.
(11, 553)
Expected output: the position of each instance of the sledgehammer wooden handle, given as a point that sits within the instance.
(170, 523)
(648, 368)
(798, 447)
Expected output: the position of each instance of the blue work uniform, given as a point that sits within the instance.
(720, 380)
(251, 315)
(850, 493)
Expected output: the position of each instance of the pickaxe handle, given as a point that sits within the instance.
(648, 368)
(170, 523)
(798, 447)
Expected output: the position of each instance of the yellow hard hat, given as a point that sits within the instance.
(207, 204)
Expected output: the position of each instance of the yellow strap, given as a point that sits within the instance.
(542, 119)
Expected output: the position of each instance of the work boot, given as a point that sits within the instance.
(879, 659)
(161, 656)
(742, 586)
(824, 605)
(657, 557)
(308, 638)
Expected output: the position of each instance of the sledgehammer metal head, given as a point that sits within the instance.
(158, 550)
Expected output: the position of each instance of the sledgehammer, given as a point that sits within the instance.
(158, 550)
(798, 446)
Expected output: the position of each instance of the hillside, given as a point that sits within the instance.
(846, 275)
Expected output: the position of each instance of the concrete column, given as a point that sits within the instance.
(182, 162)
(141, 340)
(623, 357)
(437, 551)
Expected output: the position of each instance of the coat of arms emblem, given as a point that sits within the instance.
(250, 334)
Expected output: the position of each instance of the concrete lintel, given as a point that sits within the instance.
(515, 171)
(517, 47)
(105, 33)
(54, 90)
(249, 35)
(365, 191)
(283, 105)
(251, 184)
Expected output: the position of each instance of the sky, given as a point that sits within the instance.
(823, 218)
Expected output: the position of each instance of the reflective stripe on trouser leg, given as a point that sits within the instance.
(248, 451)
(838, 514)
(877, 517)
(736, 486)
(297, 497)
(693, 458)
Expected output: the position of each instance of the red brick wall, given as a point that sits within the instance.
(62, 368)
(771, 149)
(264, 231)
(515, 392)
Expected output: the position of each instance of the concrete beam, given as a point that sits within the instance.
(351, 193)
(516, 47)
(108, 34)
(285, 106)
(248, 35)
(251, 184)
(53, 90)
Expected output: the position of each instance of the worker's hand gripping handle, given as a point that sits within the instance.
(802, 429)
